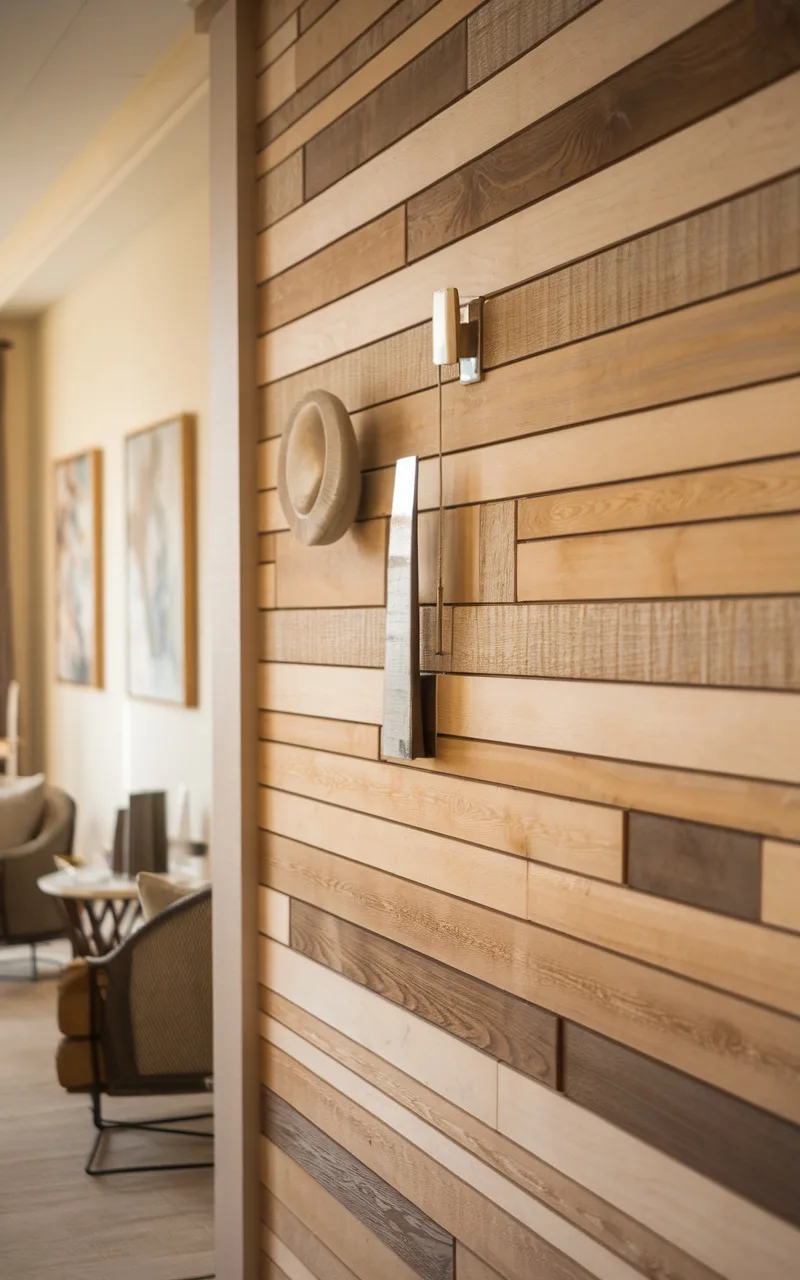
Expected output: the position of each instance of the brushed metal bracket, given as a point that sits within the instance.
(470, 340)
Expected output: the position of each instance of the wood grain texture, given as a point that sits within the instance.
(733, 955)
(479, 553)
(434, 1057)
(729, 246)
(499, 1024)
(435, 78)
(312, 10)
(585, 838)
(461, 1210)
(602, 41)
(365, 47)
(392, 1218)
(325, 37)
(481, 875)
(349, 637)
(621, 1235)
(728, 1141)
(504, 29)
(351, 571)
(753, 488)
(657, 1013)
(277, 83)
(739, 732)
(741, 49)
(709, 867)
(328, 1219)
(468, 1267)
(265, 587)
(280, 1262)
(729, 557)
(273, 915)
(780, 890)
(735, 1239)
(736, 643)
(272, 14)
(700, 797)
(278, 43)
(342, 736)
(304, 690)
(367, 254)
(280, 192)
(305, 1246)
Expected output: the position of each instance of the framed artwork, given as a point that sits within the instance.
(161, 569)
(79, 568)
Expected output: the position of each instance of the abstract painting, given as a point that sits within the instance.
(79, 569)
(160, 507)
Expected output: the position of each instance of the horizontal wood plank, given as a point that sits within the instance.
(733, 955)
(428, 1054)
(620, 1234)
(481, 875)
(265, 586)
(780, 890)
(305, 1246)
(273, 915)
(325, 37)
(351, 571)
(320, 692)
(478, 553)
(272, 14)
(734, 52)
(343, 736)
(739, 732)
(499, 1024)
(279, 42)
(266, 548)
(726, 1140)
(657, 1013)
(349, 637)
(699, 797)
(503, 30)
(392, 1218)
(586, 838)
(704, 866)
(281, 192)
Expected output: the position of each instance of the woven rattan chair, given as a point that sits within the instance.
(26, 914)
(138, 1021)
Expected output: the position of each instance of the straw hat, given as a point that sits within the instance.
(319, 477)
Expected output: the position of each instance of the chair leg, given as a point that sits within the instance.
(34, 966)
(152, 1126)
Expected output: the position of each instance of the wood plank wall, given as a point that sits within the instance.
(531, 1009)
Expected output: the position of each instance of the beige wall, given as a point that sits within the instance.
(24, 510)
(128, 347)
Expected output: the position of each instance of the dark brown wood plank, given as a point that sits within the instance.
(430, 82)
(356, 260)
(705, 866)
(741, 1147)
(503, 30)
(377, 37)
(272, 14)
(396, 1221)
(279, 191)
(744, 47)
(510, 1029)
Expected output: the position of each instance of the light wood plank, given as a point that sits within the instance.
(481, 875)
(740, 643)
(367, 254)
(468, 1267)
(579, 837)
(351, 571)
(739, 732)
(286, 1265)
(349, 637)
(401, 51)
(303, 1244)
(265, 588)
(634, 1244)
(278, 43)
(504, 29)
(352, 1242)
(733, 955)
(780, 886)
(266, 548)
(443, 1063)
(280, 192)
(277, 83)
(331, 33)
(267, 463)
(270, 513)
(377, 1131)
(271, 14)
(729, 557)
(755, 488)
(321, 691)
(699, 797)
(597, 45)
(273, 915)
(734, 1238)
(341, 736)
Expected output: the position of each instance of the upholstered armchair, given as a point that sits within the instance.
(26, 914)
(138, 1021)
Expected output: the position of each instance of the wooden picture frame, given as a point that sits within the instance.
(78, 504)
(161, 565)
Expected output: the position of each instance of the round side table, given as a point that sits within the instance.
(101, 908)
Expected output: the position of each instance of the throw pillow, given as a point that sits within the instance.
(21, 809)
(158, 892)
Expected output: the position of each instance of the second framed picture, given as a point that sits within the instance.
(161, 562)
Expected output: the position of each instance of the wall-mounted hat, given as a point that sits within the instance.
(319, 476)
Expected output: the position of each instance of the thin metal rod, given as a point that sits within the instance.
(440, 576)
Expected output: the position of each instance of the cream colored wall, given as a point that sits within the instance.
(24, 512)
(128, 347)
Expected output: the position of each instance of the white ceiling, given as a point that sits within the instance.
(65, 65)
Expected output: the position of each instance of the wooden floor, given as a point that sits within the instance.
(55, 1222)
